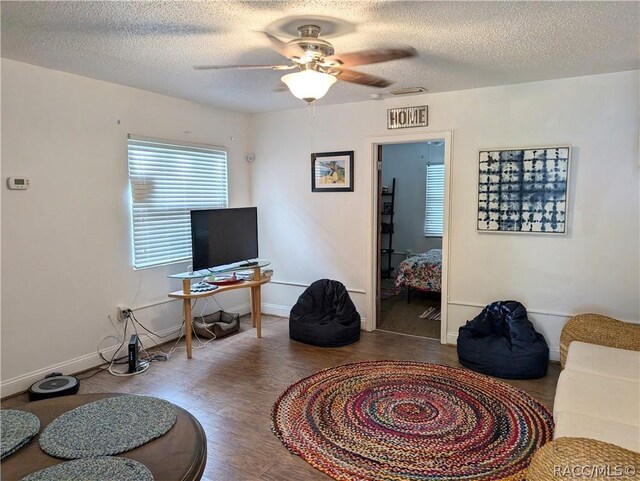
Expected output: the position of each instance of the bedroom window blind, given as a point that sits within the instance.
(434, 205)
(166, 181)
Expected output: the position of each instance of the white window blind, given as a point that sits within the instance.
(434, 210)
(167, 180)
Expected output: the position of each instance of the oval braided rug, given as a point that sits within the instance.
(397, 420)
(94, 469)
(108, 426)
(16, 430)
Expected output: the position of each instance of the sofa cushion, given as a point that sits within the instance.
(576, 425)
(597, 396)
(603, 361)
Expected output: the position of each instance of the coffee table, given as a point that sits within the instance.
(179, 455)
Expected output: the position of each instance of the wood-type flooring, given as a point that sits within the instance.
(398, 315)
(231, 384)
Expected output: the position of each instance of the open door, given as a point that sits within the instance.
(379, 234)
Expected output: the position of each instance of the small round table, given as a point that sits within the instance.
(179, 455)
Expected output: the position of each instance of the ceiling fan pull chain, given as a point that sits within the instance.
(311, 108)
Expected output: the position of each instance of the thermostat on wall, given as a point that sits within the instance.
(18, 183)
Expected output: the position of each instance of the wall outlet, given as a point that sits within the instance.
(123, 313)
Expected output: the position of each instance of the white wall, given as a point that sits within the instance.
(407, 164)
(595, 268)
(312, 235)
(66, 241)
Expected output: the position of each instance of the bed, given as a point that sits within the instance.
(422, 272)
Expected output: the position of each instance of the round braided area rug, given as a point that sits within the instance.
(94, 469)
(108, 426)
(397, 420)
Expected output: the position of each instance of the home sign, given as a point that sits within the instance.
(404, 117)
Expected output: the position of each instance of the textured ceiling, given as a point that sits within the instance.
(461, 45)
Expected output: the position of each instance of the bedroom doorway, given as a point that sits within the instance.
(410, 206)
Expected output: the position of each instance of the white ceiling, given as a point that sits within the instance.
(461, 45)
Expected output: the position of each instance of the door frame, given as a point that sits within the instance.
(374, 288)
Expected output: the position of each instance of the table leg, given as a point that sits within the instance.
(258, 310)
(187, 325)
(253, 307)
(186, 288)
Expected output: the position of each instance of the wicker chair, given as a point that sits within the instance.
(580, 458)
(598, 329)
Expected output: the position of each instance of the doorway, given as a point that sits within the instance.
(410, 239)
(411, 221)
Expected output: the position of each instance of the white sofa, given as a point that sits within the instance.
(598, 395)
(597, 405)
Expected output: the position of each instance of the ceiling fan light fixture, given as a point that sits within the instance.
(309, 85)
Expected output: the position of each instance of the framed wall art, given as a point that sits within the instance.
(523, 190)
(332, 171)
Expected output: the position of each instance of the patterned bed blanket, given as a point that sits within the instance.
(423, 271)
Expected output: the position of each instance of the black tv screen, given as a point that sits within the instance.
(223, 236)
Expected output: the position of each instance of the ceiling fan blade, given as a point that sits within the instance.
(365, 57)
(356, 77)
(284, 48)
(219, 67)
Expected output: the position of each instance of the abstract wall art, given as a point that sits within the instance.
(523, 190)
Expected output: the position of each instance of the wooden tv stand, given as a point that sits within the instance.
(255, 285)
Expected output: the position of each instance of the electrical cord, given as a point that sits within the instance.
(175, 345)
(201, 343)
(144, 365)
(113, 357)
(131, 320)
(132, 315)
(204, 326)
(162, 356)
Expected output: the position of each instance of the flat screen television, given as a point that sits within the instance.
(223, 236)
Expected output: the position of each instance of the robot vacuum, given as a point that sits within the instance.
(53, 385)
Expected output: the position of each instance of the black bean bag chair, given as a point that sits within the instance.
(502, 342)
(325, 316)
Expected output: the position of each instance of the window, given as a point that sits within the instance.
(167, 180)
(434, 210)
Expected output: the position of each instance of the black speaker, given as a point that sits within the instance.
(53, 385)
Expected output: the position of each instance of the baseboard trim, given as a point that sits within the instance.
(82, 363)
(532, 311)
(276, 310)
(241, 309)
(89, 361)
(305, 285)
(284, 311)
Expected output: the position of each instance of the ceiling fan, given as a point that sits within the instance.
(317, 66)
